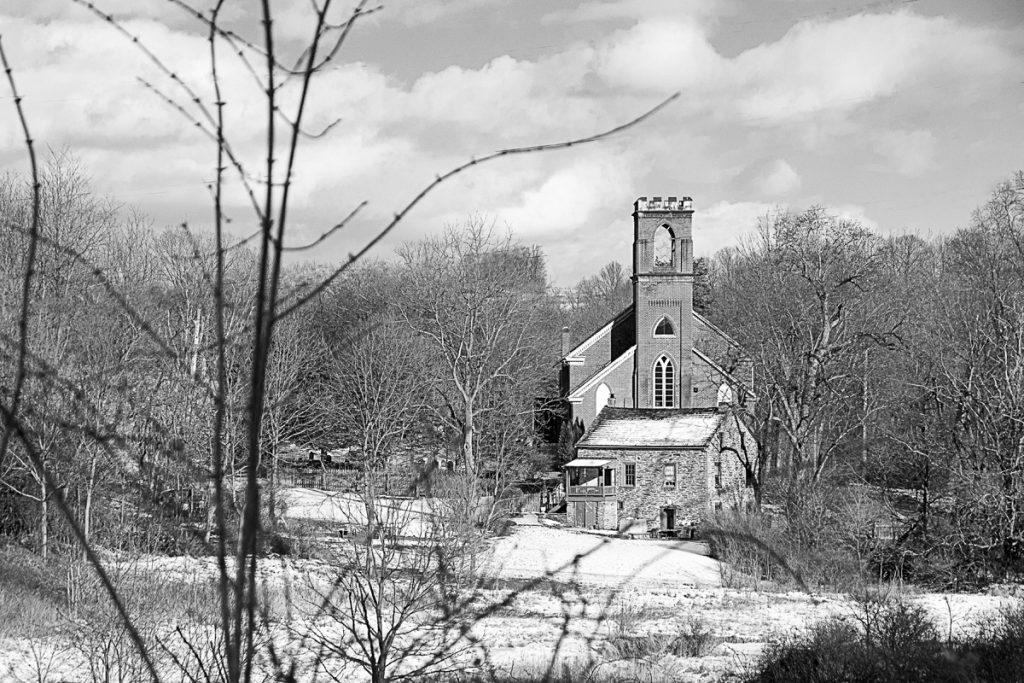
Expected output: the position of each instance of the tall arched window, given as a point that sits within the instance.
(664, 328)
(663, 247)
(664, 383)
(724, 393)
(601, 397)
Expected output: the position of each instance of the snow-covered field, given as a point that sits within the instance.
(534, 550)
(409, 516)
(567, 594)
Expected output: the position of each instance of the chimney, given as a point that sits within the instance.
(565, 342)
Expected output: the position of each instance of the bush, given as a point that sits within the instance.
(31, 594)
(997, 653)
(695, 639)
(893, 642)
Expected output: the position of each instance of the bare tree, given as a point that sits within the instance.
(395, 607)
(797, 297)
(477, 299)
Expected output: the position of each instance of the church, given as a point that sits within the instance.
(654, 388)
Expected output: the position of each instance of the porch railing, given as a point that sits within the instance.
(592, 491)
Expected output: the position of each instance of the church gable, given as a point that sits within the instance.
(596, 352)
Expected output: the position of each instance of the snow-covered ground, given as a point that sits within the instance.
(410, 517)
(534, 550)
(669, 588)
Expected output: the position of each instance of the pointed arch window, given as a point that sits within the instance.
(601, 397)
(664, 328)
(664, 383)
(664, 246)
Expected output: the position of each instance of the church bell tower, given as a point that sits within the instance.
(663, 301)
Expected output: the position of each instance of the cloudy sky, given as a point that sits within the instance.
(901, 114)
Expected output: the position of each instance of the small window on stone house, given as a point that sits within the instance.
(664, 328)
(718, 507)
(670, 476)
(718, 476)
(630, 474)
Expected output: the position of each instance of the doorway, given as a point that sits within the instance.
(669, 517)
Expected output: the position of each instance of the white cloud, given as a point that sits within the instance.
(723, 224)
(908, 152)
(853, 212)
(661, 56)
(415, 12)
(605, 10)
(567, 200)
(816, 68)
(769, 178)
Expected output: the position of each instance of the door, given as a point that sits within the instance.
(591, 515)
(581, 512)
(670, 518)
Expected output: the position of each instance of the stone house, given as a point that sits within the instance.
(656, 387)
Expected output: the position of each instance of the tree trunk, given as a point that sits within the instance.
(87, 514)
(467, 441)
(211, 502)
(272, 493)
(43, 535)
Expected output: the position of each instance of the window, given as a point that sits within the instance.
(664, 328)
(622, 506)
(718, 476)
(630, 474)
(670, 476)
(664, 383)
(601, 397)
(724, 394)
(718, 507)
(663, 247)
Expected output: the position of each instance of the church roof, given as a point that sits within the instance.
(652, 428)
(582, 347)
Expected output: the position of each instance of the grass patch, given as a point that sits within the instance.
(31, 594)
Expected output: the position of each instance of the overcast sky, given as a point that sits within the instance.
(903, 115)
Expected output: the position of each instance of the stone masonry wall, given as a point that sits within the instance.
(646, 499)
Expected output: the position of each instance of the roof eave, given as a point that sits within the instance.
(644, 447)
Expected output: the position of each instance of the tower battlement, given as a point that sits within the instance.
(664, 204)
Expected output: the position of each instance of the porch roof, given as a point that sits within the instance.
(586, 462)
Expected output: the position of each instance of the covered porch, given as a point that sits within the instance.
(588, 478)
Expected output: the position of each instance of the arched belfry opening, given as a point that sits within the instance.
(664, 247)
